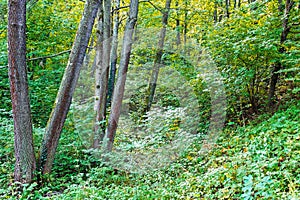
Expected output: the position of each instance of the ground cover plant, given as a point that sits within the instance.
(142, 99)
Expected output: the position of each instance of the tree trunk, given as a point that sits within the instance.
(227, 8)
(278, 66)
(67, 87)
(159, 53)
(122, 73)
(221, 13)
(185, 24)
(178, 39)
(216, 12)
(87, 57)
(114, 54)
(24, 151)
(102, 80)
(98, 63)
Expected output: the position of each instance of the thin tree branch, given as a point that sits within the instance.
(43, 57)
(122, 7)
(49, 56)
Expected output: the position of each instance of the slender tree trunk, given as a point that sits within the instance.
(227, 8)
(222, 13)
(185, 23)
(103, 65)
(24, 151)
(114, 53)
(278, 66)
(67, 87)
(87, 57)
(122, 73)
(216, 12)
(178, 38)
(159, 53)
(98, 66)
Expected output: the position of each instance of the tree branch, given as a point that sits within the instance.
(122, 7)
(43, 57)
(49, 56)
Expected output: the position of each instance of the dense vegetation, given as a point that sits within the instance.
(248, 44)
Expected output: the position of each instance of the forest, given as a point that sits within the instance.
(144, 99)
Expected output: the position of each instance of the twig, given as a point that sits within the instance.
(49, 56)
(122, 7)
(43, 57)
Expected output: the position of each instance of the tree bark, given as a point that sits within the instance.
(122, 73)
(216, 12)
(178, 38)
(24, 151)
(102, 80)
(227, 8)
(185, 23)
(278, 66)
(67, 87)
(98, 127)
(114, 54)
(158, 57)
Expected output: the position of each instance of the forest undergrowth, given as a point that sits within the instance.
(256, 161)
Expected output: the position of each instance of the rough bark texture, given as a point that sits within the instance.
(114, 54)
(122, 73)
(278, 66)
(159, 53)
(102, 68)
(24, 151)
(67, 87)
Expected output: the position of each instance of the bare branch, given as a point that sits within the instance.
(49, 56)
(122, 7)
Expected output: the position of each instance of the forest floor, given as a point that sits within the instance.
(257, 161)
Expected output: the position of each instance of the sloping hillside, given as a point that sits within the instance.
(259, 161)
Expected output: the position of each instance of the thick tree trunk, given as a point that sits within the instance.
(67, 87)
(159, 53)
(278, 66)
(24, 151)
(102, 63)
(122, 73)
(114, 54)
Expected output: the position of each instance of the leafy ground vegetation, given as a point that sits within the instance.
(257, 161)
(254, 46)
